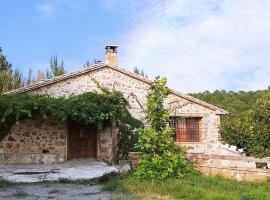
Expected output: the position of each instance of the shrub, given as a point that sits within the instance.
(161, 157)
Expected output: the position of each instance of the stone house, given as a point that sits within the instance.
(46, 141)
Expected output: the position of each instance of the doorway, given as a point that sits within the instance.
(82, 141)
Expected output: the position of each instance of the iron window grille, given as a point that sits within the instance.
(186, 129)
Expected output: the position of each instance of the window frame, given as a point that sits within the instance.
(183, 125)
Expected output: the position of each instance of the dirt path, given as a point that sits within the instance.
(53, 191)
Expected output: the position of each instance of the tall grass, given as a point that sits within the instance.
(190, 188)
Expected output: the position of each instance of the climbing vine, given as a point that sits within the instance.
(93, 108)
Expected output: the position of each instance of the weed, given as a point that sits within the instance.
(4, 183)
(21, 194)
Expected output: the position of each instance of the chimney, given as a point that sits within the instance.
(111, 57)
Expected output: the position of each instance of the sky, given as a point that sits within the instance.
(197, 44)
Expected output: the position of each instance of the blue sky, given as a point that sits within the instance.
(198, 44)
(74, 30)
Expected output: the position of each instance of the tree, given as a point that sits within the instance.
(29, 77)
(56, 69)
(4, 64)
(260, 137)
(17, 79)
(161, 157)
(5, 80)
(5, 73)
(40, 76)
(48, 74)
(87, 64)
(9, 79)
(141, 73)
(136, 70)
(247, 126)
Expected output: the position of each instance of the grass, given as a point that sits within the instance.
(4, 183)
(21, 194)
(190, 188)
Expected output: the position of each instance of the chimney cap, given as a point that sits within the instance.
(111, 47)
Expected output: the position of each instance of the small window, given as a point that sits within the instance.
(186, 129)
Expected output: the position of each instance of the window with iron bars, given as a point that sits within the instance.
(187, 129)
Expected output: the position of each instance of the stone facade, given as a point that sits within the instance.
(134, 89)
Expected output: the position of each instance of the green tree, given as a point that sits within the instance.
(136, 70)
(56, 68)
(247, 125)
(260, 137)
(29, 77)
(40, 76)
(87, 64)
(4, 64)
(5, 73)
(17, 80)
(9, 79)
(141, 73)
(161, 157)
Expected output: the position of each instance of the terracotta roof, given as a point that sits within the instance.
(119, 69)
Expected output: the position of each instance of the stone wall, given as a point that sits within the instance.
(34, 141)
(105, 145)
(234, 167)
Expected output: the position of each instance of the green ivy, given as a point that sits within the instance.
(93, 108)
(128, 137)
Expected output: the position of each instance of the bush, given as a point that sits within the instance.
(161, 157)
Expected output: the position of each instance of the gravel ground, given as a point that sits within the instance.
(53, 191)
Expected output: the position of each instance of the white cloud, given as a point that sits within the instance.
(46, 9)
(203, 45)
(50, 7)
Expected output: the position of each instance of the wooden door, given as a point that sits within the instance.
(82, 141)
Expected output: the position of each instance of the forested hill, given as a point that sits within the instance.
(248, 124)
(234, 102)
